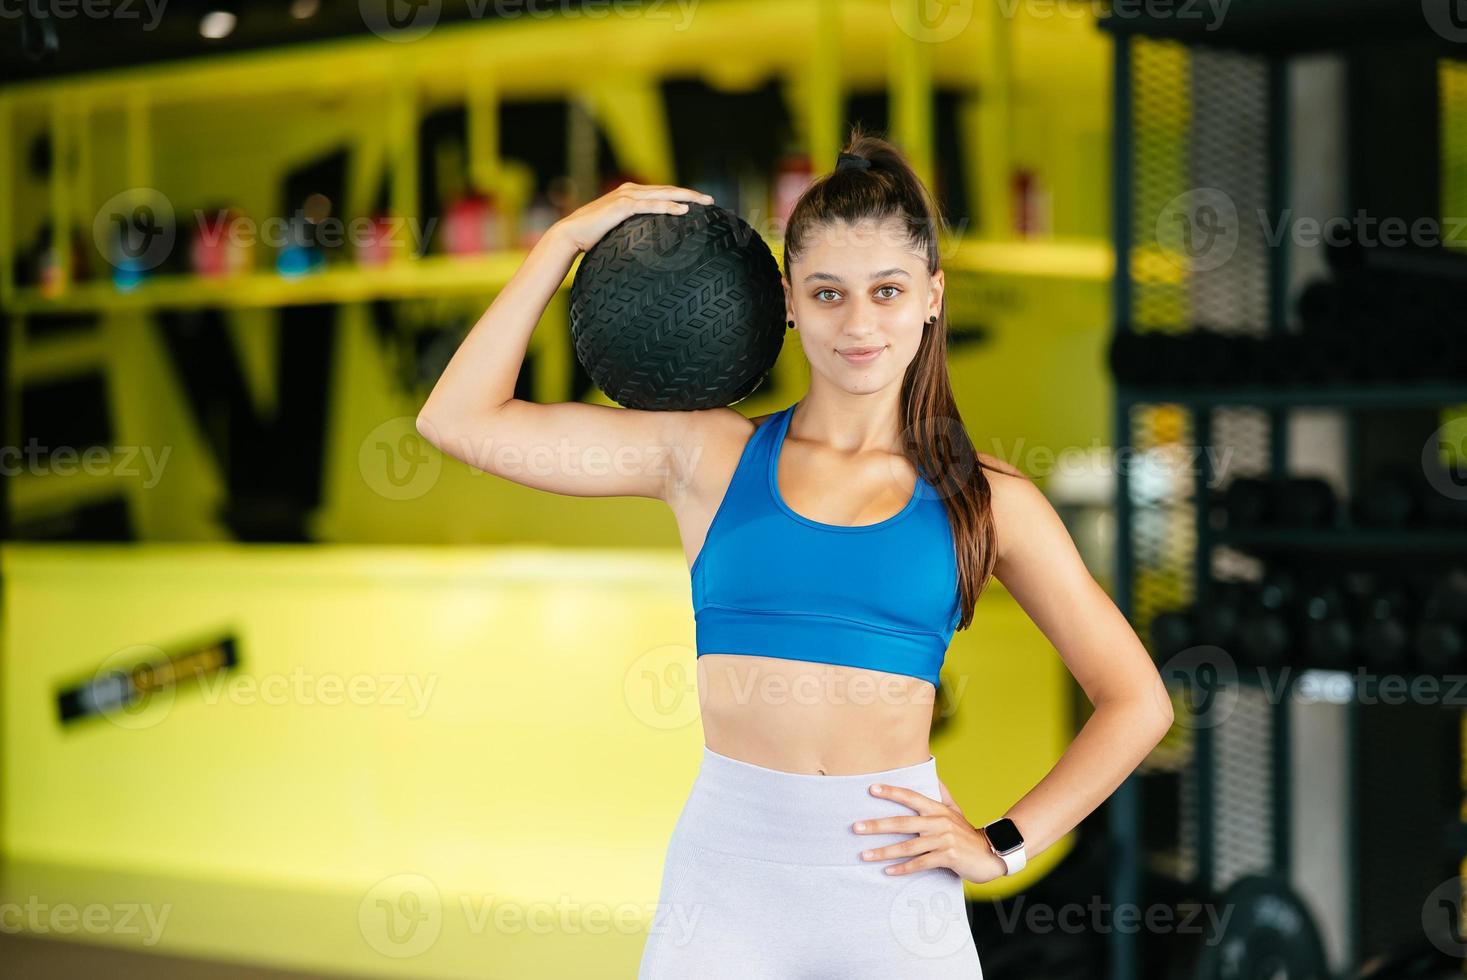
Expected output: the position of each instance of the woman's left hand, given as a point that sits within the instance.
(945, 838)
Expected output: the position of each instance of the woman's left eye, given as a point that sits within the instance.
(894, 288)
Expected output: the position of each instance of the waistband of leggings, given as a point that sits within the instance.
(740, 808)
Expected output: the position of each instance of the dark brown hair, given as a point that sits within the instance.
(937, 442)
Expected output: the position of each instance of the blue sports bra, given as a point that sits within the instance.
(770, 582)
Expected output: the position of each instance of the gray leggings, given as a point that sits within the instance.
(763, 880)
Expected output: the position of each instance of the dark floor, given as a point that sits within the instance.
(30, 958)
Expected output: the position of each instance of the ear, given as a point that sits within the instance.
(934, 301)
(789, 299)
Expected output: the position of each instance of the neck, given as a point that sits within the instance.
(850, 423)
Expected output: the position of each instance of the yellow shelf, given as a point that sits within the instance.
(432, 276)
(1073, 259)
(445, 275)
(75, 481)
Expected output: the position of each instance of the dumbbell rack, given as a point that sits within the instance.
(1207, 109)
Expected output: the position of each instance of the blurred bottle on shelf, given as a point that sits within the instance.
(300, 255)
(471, 224)
(1031, 204)
(471, 215)
(45, 261)
(380, 241)
(545, 209)
(791, 176)
(218, 247)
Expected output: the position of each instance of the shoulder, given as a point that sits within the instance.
(709, 425)
(714, 436)
(1016, 500)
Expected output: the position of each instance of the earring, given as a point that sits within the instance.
(791, 324)
(932, 321)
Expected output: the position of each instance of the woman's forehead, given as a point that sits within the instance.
(856, 254)
(867, 233)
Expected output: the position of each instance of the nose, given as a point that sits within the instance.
(863, 325)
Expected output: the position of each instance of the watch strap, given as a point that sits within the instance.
(1014, 861)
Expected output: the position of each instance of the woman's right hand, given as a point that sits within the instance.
(585, 225)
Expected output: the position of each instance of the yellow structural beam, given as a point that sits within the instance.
(482, 104)
(995, 137)
(7, 199)
(911, 91)
(630, 110)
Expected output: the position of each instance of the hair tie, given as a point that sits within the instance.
(847, 161)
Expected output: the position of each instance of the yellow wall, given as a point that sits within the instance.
(546, 750)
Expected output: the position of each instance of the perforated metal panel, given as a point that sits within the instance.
(1240, 434)
(1228, 152)
(1454, 149)
(1243, 804)
(1198, 257)
(1160, 116)
(1163, 529)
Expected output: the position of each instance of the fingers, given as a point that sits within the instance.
(656, 207)
(917, 845)
(898, 825)
(908, 797)
(932, 859)
(668, 192)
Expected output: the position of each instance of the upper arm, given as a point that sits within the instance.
(1041, 568)
(573, 448)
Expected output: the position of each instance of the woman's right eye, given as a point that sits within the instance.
(821, 292)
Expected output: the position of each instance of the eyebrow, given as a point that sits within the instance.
(832, 277)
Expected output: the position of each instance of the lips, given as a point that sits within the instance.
(859, 355)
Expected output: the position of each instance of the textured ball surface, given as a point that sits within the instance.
(675, 312)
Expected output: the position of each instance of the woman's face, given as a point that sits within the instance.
(858, 287)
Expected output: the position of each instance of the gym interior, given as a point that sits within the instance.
(285, 692)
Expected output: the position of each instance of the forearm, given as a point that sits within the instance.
(482, 373)
(1107, 749)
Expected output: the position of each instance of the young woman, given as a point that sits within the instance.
(834, 547)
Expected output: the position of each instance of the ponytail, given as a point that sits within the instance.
(872, 180)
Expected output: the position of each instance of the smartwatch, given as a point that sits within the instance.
(1005, 840)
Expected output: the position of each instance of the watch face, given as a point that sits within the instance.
(1003, 835)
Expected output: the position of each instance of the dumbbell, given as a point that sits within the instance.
(1383, 614)
(1293, 501)
(1325, 628)
(1387, 498)
(1268, 933)
(1264, 634)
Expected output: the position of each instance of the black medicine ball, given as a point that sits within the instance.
(675, 312)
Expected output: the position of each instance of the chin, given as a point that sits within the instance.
(865, 385)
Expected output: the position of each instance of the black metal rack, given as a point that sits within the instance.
(1205, 114)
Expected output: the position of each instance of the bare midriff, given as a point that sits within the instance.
(813, 718)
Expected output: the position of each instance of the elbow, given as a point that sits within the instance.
(1164, 712)
(1167, 717)
(428, 430)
